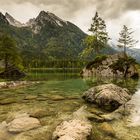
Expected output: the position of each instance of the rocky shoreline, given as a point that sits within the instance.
(16, 84)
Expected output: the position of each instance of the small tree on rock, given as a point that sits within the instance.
(126, 39)
(99, 38)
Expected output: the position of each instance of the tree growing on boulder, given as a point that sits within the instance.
(126, 39)
(99, 38)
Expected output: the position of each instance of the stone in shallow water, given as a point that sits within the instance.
(4, 135)
(108, 96)
(107, 129)
(56, 97)
(30, 97)
(38, 113)
(76, 128)
(8, 101)
(23, 123)
(41, 99)
(16, 84)
(73, 97)
(96, 118)
(42, 133)
(73, 130)
(44, 95)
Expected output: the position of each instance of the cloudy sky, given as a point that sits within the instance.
(116, 13)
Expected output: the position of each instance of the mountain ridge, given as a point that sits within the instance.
(46, 37)
(13, 21)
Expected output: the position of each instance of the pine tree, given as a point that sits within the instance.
(126, 39)
(99, 38)
(8, 52)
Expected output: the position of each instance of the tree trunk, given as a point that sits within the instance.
(125, 55)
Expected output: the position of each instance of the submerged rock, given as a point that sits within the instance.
(111, 66)
(107, 129)
(108, 96)
(76, 128)
(23, 123)
(38, 113)
(30, 97)
(41, 133)
(56, 97)
(8, 101)
(72, 130)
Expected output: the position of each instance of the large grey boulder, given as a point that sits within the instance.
(107, 96)
(76, 128)
(111, 66)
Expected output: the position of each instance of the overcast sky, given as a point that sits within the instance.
(116, 13)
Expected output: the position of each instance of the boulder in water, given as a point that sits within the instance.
(107, 96)
(77, 128)
(111, 66)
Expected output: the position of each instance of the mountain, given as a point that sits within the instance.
(3, 19)
(47, 38)
(44, 38)
(13, 21)
(43, 19)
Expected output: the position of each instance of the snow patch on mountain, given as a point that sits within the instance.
(13, 21)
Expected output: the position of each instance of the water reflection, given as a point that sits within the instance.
(135, 114)
(131, 84)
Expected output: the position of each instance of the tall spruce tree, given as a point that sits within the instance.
(99, 38)
(126, 39)
(8, 52)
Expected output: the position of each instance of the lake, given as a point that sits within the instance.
(58, 95)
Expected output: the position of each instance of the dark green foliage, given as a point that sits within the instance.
(123, 64)
(9, 52)
(97, 61)
(99, 38)
(50, 44)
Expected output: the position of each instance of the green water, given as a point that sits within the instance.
(58, 94)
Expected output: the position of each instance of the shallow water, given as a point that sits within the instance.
(58, 94)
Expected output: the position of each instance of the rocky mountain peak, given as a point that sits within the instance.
(3, 19)
(43, 19)
(12, 21)
(50, 17)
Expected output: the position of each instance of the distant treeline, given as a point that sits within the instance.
(56, 64)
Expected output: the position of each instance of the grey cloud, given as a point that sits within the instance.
(108, 8)
(114, 8)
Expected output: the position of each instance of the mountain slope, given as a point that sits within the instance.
(47, 37)
(12, 21)
(3, 19)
